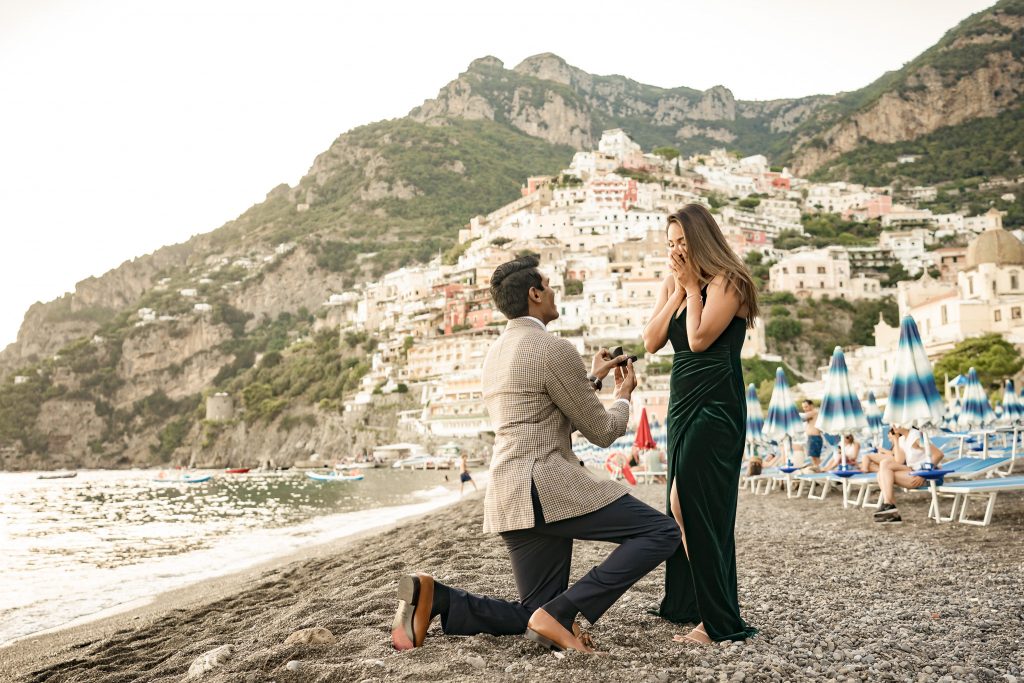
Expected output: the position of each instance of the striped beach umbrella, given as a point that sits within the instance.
(975, 411)
(840, 412)
(783, 420)
(913, 397)
(872, 413)
(1011, 403)
(952, 419)
(755, 418)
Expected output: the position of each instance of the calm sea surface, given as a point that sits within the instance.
(70, 548)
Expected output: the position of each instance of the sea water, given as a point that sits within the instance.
(70, 548)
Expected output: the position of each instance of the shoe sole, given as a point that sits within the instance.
(542, 640)
(889, 521)
(402, 634)
(886, 513)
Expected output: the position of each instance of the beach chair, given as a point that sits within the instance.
(963, 491)
(653, 468)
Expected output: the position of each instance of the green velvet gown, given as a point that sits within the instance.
(706, 429)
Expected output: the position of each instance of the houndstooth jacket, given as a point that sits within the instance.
(536, 393)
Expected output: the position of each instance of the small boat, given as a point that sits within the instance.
(316, 476)
(58, 475)
(236, 470)
(184, 479)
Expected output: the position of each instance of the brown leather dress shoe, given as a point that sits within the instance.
(415, 598)
(545, 630)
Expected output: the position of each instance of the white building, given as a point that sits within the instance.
(817, 273)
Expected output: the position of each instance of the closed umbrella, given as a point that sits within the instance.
(975, 411)
(644, 441)
(913, 397)
(783, 420)
(755, 418)
(1011, 403)
(840, 412)
(873, 414)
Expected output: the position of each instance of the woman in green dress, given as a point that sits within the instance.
(704, 308)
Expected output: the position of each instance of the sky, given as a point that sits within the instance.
(126, 125)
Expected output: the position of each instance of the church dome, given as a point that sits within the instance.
(997, 246)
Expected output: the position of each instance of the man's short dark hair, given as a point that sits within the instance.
(510, 285)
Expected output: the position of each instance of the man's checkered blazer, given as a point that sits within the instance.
(536, 392)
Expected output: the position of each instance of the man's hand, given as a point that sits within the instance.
(603, 363)
(625, 380)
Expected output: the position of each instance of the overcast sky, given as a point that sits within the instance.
(127, 125)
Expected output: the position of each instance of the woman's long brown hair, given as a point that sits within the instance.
(713, 256)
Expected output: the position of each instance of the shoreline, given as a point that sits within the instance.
(833, 595)
(48, 645)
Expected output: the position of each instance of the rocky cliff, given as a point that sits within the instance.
(975, 71)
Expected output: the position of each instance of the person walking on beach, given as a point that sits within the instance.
(814, 438)
(540, 497)
(464, 475)
(704, 308)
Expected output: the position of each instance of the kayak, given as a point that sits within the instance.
(334, 477)
(237, 470)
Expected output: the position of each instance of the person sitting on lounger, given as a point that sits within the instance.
(851, 448)
(908, 455)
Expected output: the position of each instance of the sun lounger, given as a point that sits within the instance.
(963, 491)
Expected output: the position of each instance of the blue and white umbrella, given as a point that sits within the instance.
(783, 420)
(952, 419)
(1011, 403)
(840, 412)
(976, 411)
(873, 416)
(755, 418)
(913, 397)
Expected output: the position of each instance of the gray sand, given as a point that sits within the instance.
(835, 598)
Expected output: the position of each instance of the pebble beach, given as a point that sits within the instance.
(836, 598)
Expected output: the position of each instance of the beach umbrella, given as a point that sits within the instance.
(644, 441)
(783, 420)
(872, 414)
(975, 411)
(913, 397)
(1011, 403)
(952, 418)
(840, 412)
(755, 418)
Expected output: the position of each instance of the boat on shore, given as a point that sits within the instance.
(162, 478)
(237, 470)
(334, 476)
(58, 475)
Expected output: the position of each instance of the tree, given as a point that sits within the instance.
(783, 329)
(666, 153)
(573, 287)
(992, 356)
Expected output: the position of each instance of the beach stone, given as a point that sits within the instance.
(1010, 678)
(311, 636)
(476, 662)
(292, 665)
(210, 660)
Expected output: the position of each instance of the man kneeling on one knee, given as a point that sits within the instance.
(540, 497)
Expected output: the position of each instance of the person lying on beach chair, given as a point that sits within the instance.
(540, 497)
(907, 455)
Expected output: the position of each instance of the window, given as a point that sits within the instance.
(799, 270)
(970, 285)
(945, 315)
(997, 315)
(821, 284)
(801, 285)
(785, 270)
(1015, 313)
(821, 270)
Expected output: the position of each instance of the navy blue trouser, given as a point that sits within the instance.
(541, 558)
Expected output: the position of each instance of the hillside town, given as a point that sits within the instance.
(598, 229)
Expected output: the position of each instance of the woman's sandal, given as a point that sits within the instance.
(688, 638)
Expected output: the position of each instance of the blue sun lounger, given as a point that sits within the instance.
(963, 491)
